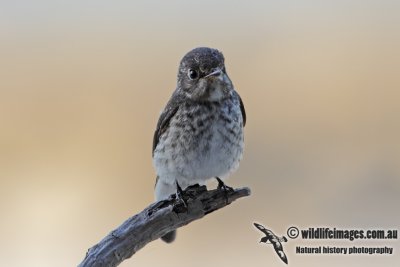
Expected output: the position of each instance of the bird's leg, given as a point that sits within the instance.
(224, 187)
(179, 194)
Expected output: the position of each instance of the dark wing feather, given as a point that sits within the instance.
(261, 228)
(279, 250)
(165, 118)
(243, 111)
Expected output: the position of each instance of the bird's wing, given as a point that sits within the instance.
(263, 229)
(279, 250)
(242, 109)
(165, 118)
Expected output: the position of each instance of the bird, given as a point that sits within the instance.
(271, 238)
(199, 134)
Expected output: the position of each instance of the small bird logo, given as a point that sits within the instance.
(271, 238)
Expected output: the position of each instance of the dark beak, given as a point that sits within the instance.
(216, 72)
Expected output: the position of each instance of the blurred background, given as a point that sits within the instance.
(82, 84)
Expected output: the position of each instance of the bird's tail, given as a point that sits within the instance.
(163, 191)
(169, 237)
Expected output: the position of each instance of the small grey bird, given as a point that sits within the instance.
(199, 134)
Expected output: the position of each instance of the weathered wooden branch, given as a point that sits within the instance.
(155, 221)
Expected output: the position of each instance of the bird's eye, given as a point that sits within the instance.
(193, 74)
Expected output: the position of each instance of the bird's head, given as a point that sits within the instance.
(202, 75)
(265, 239)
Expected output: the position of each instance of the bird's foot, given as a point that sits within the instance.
(180, 198)
(222, 186)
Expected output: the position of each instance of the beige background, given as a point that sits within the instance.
(82, 84)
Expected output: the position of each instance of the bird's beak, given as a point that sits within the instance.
(216, 72)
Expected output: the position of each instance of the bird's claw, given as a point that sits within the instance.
(222, 186)
(179, 195)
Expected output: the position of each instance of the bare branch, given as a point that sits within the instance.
(155, 221)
